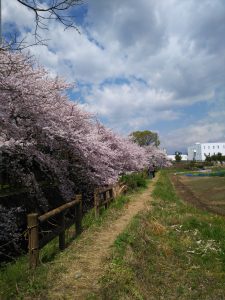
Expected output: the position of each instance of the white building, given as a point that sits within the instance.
(198, 151)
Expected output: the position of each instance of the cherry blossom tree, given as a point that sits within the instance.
(41, 125)
(156, 157)
(48, 140)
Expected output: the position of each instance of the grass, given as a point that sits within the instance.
(17, 281)
(135, 180)
(173, 251)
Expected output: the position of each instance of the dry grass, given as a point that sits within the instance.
(157, 228)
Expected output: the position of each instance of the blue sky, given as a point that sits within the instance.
(157, 65)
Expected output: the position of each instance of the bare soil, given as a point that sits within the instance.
(207, 193)
(84, 262)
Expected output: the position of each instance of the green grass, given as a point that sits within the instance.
(173, 251)
(135, 180)
(89, 219)
(17, 281)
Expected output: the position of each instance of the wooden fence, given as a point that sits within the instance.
(102, 197)
(34, 225)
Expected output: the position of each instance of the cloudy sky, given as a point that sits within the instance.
(147, 64)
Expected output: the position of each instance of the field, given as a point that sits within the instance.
(204, 192)
(172, 251)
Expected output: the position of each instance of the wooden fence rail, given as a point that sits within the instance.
(102, 197)
(34, 222)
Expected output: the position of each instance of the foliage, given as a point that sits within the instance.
(215, 158)
(134, 180)
(189, 165)
(178, 156)
(157, 159)
(145, 138)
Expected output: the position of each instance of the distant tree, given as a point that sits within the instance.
(208, 158)
(218, 157)
(157, 159)
(178, 156)
(145, 138)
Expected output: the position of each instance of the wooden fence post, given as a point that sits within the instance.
(33, 240)
(96, 202)
(62, 233)
(111, 194)
(115, 188)
(107, 197)
(78, 215)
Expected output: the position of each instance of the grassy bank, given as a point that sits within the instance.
(173, 251)
(18, 282)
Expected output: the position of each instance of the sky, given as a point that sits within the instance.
(139, 65)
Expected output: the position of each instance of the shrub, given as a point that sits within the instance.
(134, 180)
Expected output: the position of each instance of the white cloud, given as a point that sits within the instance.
(132, 105)
(17, 14)
(206, 130)
(175, 48)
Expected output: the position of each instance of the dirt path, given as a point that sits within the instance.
(84, 265)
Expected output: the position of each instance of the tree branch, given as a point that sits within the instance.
(51, 10)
